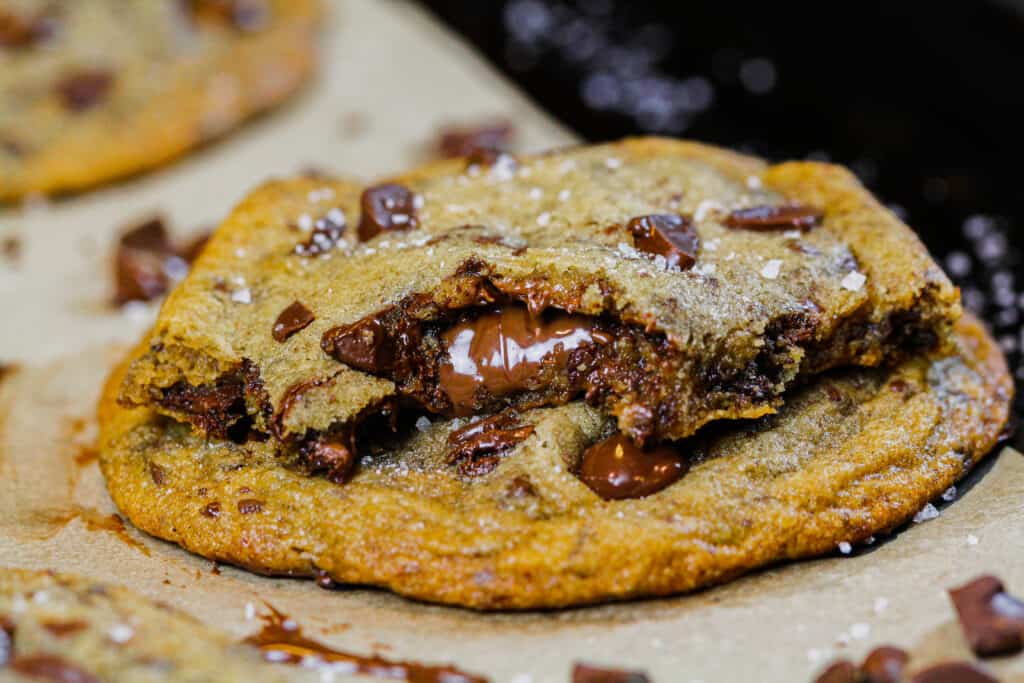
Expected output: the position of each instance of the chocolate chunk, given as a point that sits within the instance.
(211, 407)
(18, 30)
(386, 208)
(842, 671)
(62, 629)
(584, 673)
(250, 506)
(669, 235)
(503, 351)
(211, 510)
(616, 468)
(992, 620)
(6, 640)
(292, 319)
(786, 216)
(326, 233)
(334, 454)
(477, 447)
(84, 89)
(485, 139)
(885, 664)
(157, 474)
(244, 15)
(46, 667)
(953, 672)
(142, 263)
(520, 487)
(365, 344)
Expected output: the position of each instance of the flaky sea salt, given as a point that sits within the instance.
(612, 163)
(242, 296)
(845, 548)
(536, 193)
(926, 513)
(860, 630)
(121, 633)
(949, 495)
(305, 222)
(250, 611)
(564, 195)
(544, 219)
(754, 182)
(423, 423)
(972, 539)
(854, 281)
(880, 605)
(771, 269)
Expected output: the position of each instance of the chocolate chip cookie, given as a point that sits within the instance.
(554, 518)
(55, 627)
(668, 284)
(91, 91)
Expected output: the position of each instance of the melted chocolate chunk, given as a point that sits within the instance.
(211, 510)
(291, 320)
(584, 673)
(365, 344)
(477, 447)
(992, 620)
(334, 454)
(6, 640)
(785, 217)
(669, 235)
(953, 672)
(327, 232)
(281, 641)
(885, 664)
(503, 351)
(250, 506)
(842, 671)
(84, 89)
(386, 208)
(46, 667)
(20, 31)
(616, 468)
(487, 139)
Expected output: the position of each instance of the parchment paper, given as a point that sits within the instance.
(402, 75)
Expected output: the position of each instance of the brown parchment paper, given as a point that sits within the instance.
(391, 77)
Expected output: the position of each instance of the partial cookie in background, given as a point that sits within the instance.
(55, 627)
(92, 91)
(853, 454)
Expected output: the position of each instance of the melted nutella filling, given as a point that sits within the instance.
(505, 350)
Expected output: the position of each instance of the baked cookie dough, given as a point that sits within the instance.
(57, 627)
(92, 91)
(854, 453)
(667, 283)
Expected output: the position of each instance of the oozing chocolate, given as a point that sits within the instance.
(504, 351)
(385, 208)
(669, 235)
(617, 468)
(477, 447)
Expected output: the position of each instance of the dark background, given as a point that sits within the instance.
(922, 100)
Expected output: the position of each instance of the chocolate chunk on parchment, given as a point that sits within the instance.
(669, 235)
(10, 249)
(585, 673)
(991, 618)
(294, 318)
(85, 88)
(485, 139)
(885, 664)
(477, 447)
(841, 671)
(143, 263)
(386, 208)
(953, 672)
(783, 217)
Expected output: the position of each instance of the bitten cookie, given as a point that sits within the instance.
(92, 91)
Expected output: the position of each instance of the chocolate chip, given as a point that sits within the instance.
(386, 208)
(786, 216)
(51, 668)
(477, 447)
(953, 672)
(520, 487)
(463, 141)
(326, 233)
(585, 673)
(292, 319)
(142, 271)
(84, 89)
(668, 235)
(842, 671)
(250, 506)
(992, 619)
(157, 474)
(334, 454)
(211, 510)
(20, 31)
(616, 468)
(365, 344)
(885, 664)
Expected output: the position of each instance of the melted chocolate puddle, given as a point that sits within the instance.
(281, 641)
(94, 520)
